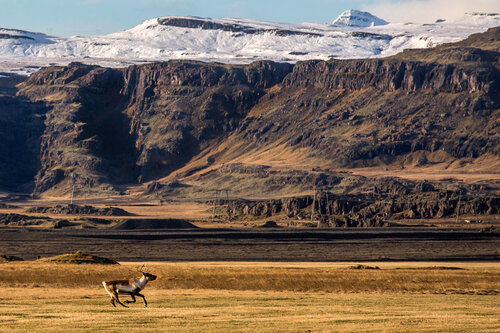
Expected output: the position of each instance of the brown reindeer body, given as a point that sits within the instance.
(130, 287)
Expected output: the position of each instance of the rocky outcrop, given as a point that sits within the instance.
(12, 219)
(79, 210)
(175, 108)
(368, 210)
(196, 23)
(388, 75)
(9, 36)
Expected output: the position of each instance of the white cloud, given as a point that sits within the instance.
(426, 11)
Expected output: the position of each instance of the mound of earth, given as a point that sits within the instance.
(21, 220)
(63, 224)
(6, 258)
(79, 258)
(133, 224)
(80, 210)
(270, 224)
(95, 220)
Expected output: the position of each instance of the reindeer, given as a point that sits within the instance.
(131, 287)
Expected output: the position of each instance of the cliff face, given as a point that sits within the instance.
(105, 126)
(100, 127)
(367, 210)
(392, 75)
(176, 108)
(21, 126)
(85, 137)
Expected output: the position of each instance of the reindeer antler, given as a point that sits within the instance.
(140, 269)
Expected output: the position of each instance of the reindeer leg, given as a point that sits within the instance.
(118, 300)
(113, 302)
(144, 299)
(132, 301)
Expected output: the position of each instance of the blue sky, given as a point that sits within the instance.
(90, 17)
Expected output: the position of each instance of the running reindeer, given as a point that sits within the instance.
(131, 287)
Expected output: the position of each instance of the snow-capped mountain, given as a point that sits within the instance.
(356, 18)
(354, 34)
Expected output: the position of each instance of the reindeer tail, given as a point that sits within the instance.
(107, 289)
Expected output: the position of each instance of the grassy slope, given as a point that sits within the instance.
(277, 152)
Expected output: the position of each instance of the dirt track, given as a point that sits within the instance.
(407, 244)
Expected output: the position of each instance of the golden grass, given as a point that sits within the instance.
(191, 210)
(300, 277)
(253, 297)
(84, 310)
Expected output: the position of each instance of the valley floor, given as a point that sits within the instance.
(213, 297)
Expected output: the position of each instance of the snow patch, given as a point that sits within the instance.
(357, 18)
(232, 40)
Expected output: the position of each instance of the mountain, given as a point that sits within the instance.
(262, 129)
(233, 41)
(356, 18)
(22, 37)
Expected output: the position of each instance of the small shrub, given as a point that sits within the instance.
(6, 258)
(364, 267)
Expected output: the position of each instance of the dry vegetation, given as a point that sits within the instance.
(256, 297)
(84, 310)
(304, 277)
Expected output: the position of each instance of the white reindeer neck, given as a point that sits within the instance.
(141, 282)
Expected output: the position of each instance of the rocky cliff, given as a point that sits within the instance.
(367, 210)
(104, 126)
(99, 127)
(391, 75)
(21, 125)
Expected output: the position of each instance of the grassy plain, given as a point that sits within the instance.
(256, 297)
